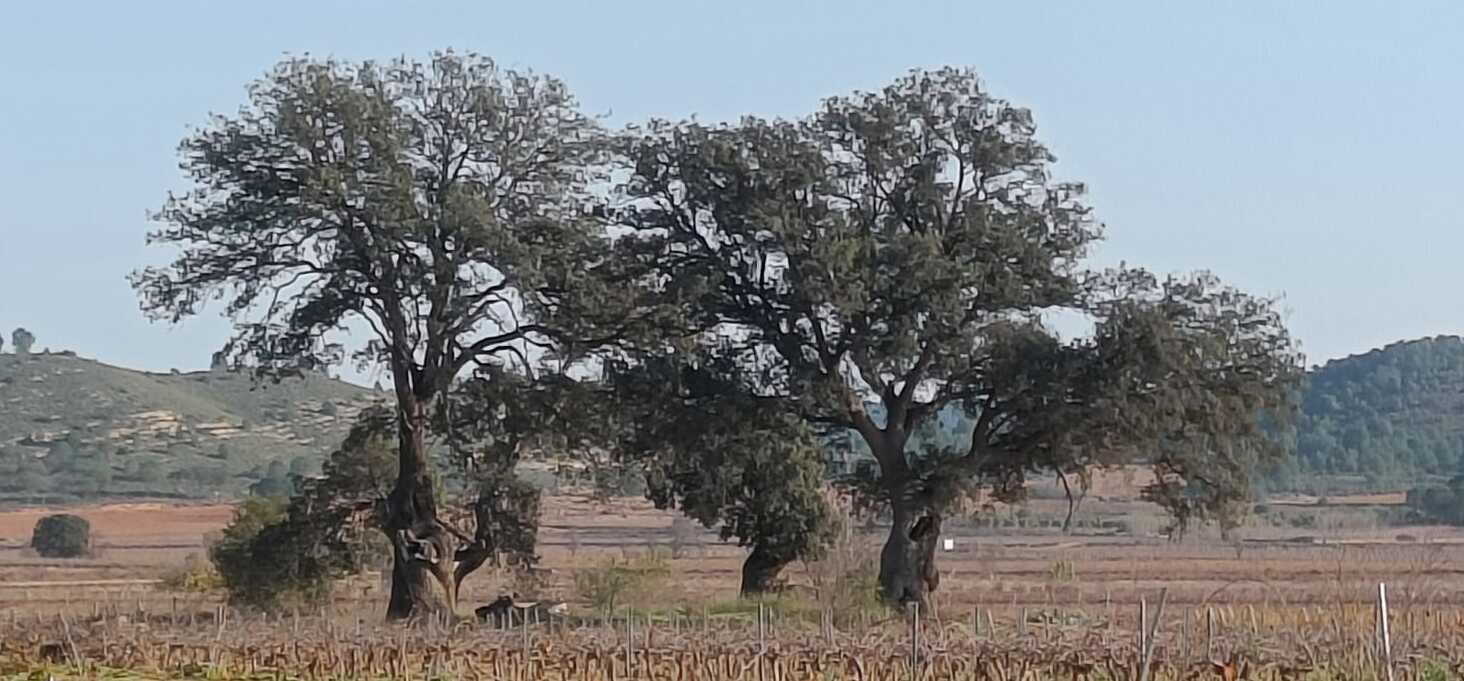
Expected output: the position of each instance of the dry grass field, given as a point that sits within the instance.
(146, 541)
(1046, 601)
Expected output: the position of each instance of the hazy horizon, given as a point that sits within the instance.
(1306, 150)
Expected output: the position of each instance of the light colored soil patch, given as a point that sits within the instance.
(127, 524)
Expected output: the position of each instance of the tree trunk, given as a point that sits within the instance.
(760, 571)
(412, 592)
(422, 550)
(907, 571)
(1072, 503)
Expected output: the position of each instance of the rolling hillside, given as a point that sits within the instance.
(73, 427)
(1388, 417)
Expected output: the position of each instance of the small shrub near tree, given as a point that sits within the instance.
(62, 536)
(196, 575)
(617, 583)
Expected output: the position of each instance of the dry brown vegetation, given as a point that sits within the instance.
(1047, 603)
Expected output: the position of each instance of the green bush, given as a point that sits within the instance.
(254, 556)
(269, 555)
(62, 536)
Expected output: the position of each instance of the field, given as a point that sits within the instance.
(1011, 599)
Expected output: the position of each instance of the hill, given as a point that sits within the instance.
(1387, 417)
(72, 427)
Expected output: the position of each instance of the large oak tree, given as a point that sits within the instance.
(436, 206)
(902, 248)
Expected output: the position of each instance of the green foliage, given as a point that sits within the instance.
(612, 481)
(1387, 415)
(448, 219)
(726, 460)
(899, 249)
(88, 476)
(478, 172)
(506, 512)
(616, 583)
(59, 457)
(246, 555)
(31, 477)
(1439, 503)
(152, 472)
(279, 488)
(299, 466)
(62, 536)
(98, 406)
(292, 549)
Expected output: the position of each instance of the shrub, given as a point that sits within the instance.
(845, 579)
(612, 583)
(255, 556)
(194, 576)
(62, 536)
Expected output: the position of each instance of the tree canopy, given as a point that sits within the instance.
(740, 292)
(439, 207)
(728, 461)
(904, 247)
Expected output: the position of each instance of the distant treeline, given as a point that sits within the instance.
(1390, 416)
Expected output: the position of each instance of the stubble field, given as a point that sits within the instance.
(1010, 599)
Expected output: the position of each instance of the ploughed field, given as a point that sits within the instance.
(1011, 600)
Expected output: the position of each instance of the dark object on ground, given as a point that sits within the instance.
(507, 610)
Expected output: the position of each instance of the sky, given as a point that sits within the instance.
(1304, 150)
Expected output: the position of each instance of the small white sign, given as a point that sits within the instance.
(950, 544)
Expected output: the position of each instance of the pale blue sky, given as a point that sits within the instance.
(1310, 149)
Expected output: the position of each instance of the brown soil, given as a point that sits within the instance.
(1002, 568)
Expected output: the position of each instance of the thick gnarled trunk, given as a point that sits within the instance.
(760, 572)
(907, 572)
(423, 551)
(414, 587)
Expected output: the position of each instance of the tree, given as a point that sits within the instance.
(88, 475)
(151, 472)
(899, 250)
(62, 536)
(299, 466)
(60, 457)
(726, 460)
(32, 478)
(1385, 414)
(22, 340)
(248, 579)
(439, 205)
